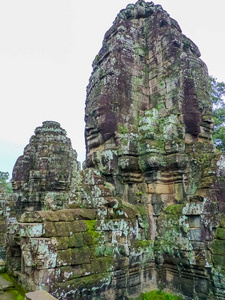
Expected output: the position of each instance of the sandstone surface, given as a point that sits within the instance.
(147, 211)
(44, 174)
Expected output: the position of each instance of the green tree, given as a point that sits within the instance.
(4, 182)
(217, 97)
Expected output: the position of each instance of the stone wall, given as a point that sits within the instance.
(83, 253)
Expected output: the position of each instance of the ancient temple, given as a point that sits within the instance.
(147, 210)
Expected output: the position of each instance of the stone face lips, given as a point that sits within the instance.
(48, 165)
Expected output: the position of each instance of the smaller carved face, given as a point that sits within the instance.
(100, 125)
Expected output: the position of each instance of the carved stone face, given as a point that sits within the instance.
(147, 99)
(100, 124)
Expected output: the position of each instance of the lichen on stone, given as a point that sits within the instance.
(147, 209)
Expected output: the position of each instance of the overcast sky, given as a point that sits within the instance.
(46, 51)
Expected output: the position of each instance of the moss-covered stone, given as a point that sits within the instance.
(73, 256)
(140, 244)
(102, 265)
(218, 247)
(92, 237)
(149, 150)
(174, 209)
(218, 261)
(88, 282)
(62, 243)
(76, 240)
(31, 217)
(222, 223)
(220, 233)
(91, 225)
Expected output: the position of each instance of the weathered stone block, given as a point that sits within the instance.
(71, 272)
(43, 253)
(49, 229)
(194, 221)
(31, 217)
(2, 266)
(77, 226)
(195, 234)
(73, 256)
(193, 209)
(45, 277)
(160, 188)
(76, 240)
(102, 265)
(88, 238)
(86, 282)
(43, 295)
(31, 229)
(84, 213)
(49, 215)
(64, 257)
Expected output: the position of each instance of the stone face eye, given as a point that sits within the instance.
(164, 23)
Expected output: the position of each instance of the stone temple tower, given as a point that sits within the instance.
(148, 209)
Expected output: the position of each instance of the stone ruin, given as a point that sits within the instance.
(147, 210)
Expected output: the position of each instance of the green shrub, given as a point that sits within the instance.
(158, 295)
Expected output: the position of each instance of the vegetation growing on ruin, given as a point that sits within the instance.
(4, 182)
(16, 293)
(217, 97)
(158, 295)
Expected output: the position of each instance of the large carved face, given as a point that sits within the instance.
(147, 96)
(100, 123)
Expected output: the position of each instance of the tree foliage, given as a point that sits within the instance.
(4, 182)
(217, 96)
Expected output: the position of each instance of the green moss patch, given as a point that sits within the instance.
(140, 244)
(87, 282)
(14, 290)
(218, 247)
(220, 234)
(218, 261)
(91, 236)
(12, 295)
(101, 265)
(222, 223)
(158, 295)
(174, 209)
(91, 224)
